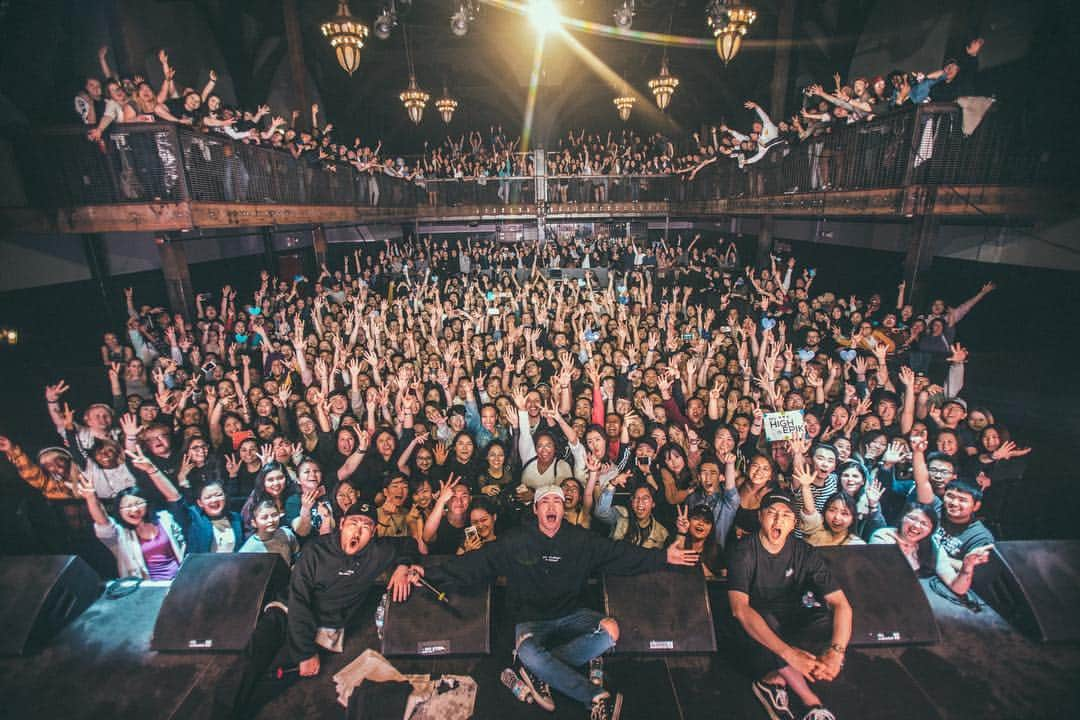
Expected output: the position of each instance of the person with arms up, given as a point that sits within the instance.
(546, 563)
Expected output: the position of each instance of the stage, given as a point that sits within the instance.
(101, 667)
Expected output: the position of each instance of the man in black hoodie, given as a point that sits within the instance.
(328, 584)
(546, 563)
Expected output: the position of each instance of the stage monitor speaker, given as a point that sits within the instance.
(1035, 585)
(215, 601)
(667, 611)
(889, 604)
(41, 594)
(423, 626)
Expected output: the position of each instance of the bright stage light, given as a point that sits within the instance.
(545, 16)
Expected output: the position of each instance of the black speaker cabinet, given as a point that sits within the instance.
(422, 626)
(215, 601)
(889, 605)
(40, 595)
(1035, 585)
(662, 612)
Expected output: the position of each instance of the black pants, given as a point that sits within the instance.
(253, 683)
(808, 629)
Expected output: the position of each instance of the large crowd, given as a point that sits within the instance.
(445, 384)
(660, 404)
(616, 164)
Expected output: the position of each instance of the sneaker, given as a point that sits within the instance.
(606, 707)
(775, 700)
(818, 712)
(540, 690)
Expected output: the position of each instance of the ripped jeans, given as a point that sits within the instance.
(552, 649)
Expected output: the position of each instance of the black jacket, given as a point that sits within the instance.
(545, 576)
(327, 585)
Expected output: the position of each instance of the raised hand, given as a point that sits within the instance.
(446, 488)
(803, 475)
(232, 465)
(1009, 450)
(266, 454)
(678, 556)
(874, 491)
(441, 453)
(682, 519)
(129, 424)
(54, 392)
(140, 461)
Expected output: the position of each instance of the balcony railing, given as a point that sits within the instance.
(925, 146)
(163, 162)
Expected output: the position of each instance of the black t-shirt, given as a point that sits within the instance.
(448, 539)
(776, 583)
(956, 541)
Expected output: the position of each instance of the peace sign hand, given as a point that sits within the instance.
(682, 519)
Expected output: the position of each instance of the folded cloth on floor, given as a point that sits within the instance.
(449, 697)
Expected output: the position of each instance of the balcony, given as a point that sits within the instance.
(163, 178)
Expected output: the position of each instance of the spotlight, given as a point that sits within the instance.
(385, 22)
(459, 21)
(545, 16)
(624, 15)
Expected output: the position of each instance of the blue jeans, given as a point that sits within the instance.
(552, 649)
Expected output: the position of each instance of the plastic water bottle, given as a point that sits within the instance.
(380, 615)
(596, 671)
(511, 680)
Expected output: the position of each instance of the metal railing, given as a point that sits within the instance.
(158, 161)
(926, 145)
(141, 162)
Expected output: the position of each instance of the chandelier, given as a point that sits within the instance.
(729, 21)
(415, 100)
(663, 86)
(625, 104)
(346, 36)
(446, 106)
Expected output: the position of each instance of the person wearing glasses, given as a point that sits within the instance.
(145, 545)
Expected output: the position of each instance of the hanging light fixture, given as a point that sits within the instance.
(729, 21)
(386, 21)
(346, 36)
(663, 86)
(624, 14)
(446, 106)
(625, 104)
(413, 98)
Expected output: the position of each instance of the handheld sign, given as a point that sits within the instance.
(784, 425)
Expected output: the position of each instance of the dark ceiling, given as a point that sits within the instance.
(49, 45)
(487, 71)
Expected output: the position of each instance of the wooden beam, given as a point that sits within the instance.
(953, 202)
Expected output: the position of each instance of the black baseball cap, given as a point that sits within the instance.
(363, 509)
(777, 496)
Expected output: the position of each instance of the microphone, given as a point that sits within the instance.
(439, 595)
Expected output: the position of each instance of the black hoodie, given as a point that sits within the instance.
(545, 576)
(327, 585)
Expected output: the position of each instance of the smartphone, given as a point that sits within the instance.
(493, 311)
(471, 533)
(688, 336)
(209, 367)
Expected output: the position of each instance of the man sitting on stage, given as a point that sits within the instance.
(329, 584)
(768, 579)
(546, 563)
